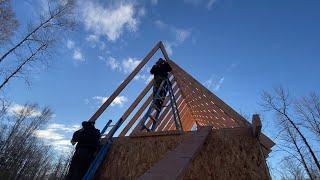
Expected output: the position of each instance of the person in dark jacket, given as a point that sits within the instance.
(160, 71)
(87, 139)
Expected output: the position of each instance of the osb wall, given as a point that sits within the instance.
(129, 158)
(228, 154)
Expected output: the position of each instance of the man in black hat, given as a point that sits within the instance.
(160, 71)
(87, 140)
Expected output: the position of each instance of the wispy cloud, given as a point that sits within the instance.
(214, 82)
(77, 53)
(113, 64)
(94, 41)
(211, 3)
(219, 84)
(179, 34)
(118, 101)
(111, 21)
(58, 136)
(207, 3)
(17, 109)
(129, 64)
(154, 2)
(231, 67)
(125, 66)
(144, 76)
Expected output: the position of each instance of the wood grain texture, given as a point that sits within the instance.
(231, 153)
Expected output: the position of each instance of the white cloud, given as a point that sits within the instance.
(160, 24)
(208, 83)
(144, 77)
(231, 67)
(94, 41)
(58, 135)
(70, 44)
(126, 66)
(92, 38)
(113, 64)
(63, 127)
(77, 54)
(210, 3)
(17, 109)
(142, 12)
(212, 83)
(129, 64)
(110, 21)
(219, 84)
(169, 46)
(180, 35)
(154, 2)
(118, 101)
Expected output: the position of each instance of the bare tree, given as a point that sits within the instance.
(280, 103)
(22, 154)
(292, 170)
(308, 110)
(8, 21)
(39, 41)
(293, 145)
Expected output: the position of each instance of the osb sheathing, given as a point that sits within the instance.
(226, 154)
(129, 158)
(232, 154)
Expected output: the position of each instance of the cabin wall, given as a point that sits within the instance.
(229, 154)
(226, 154)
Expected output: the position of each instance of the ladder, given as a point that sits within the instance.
(165, 86)
(103, 151)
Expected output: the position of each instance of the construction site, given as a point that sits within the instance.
(193, 135)
(189, 89)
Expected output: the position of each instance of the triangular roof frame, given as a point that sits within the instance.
(196, 104)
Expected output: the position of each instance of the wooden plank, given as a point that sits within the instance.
(137, 100)
(175, 162)
(136, 116)
(183, 95)
(171, 123)
(163, 50)
(189, 96)
(218, 101)
(106, 104)
(194, 94)
(160, 127)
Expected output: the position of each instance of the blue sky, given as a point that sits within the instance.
(236, 48)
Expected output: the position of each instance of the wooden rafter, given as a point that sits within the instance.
(195, 102)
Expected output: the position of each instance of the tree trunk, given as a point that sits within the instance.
(314, 157)
(300, 154)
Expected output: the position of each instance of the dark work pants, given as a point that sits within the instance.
(80, 163)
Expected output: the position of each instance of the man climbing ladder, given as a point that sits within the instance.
(161, 87)
(160, 71)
